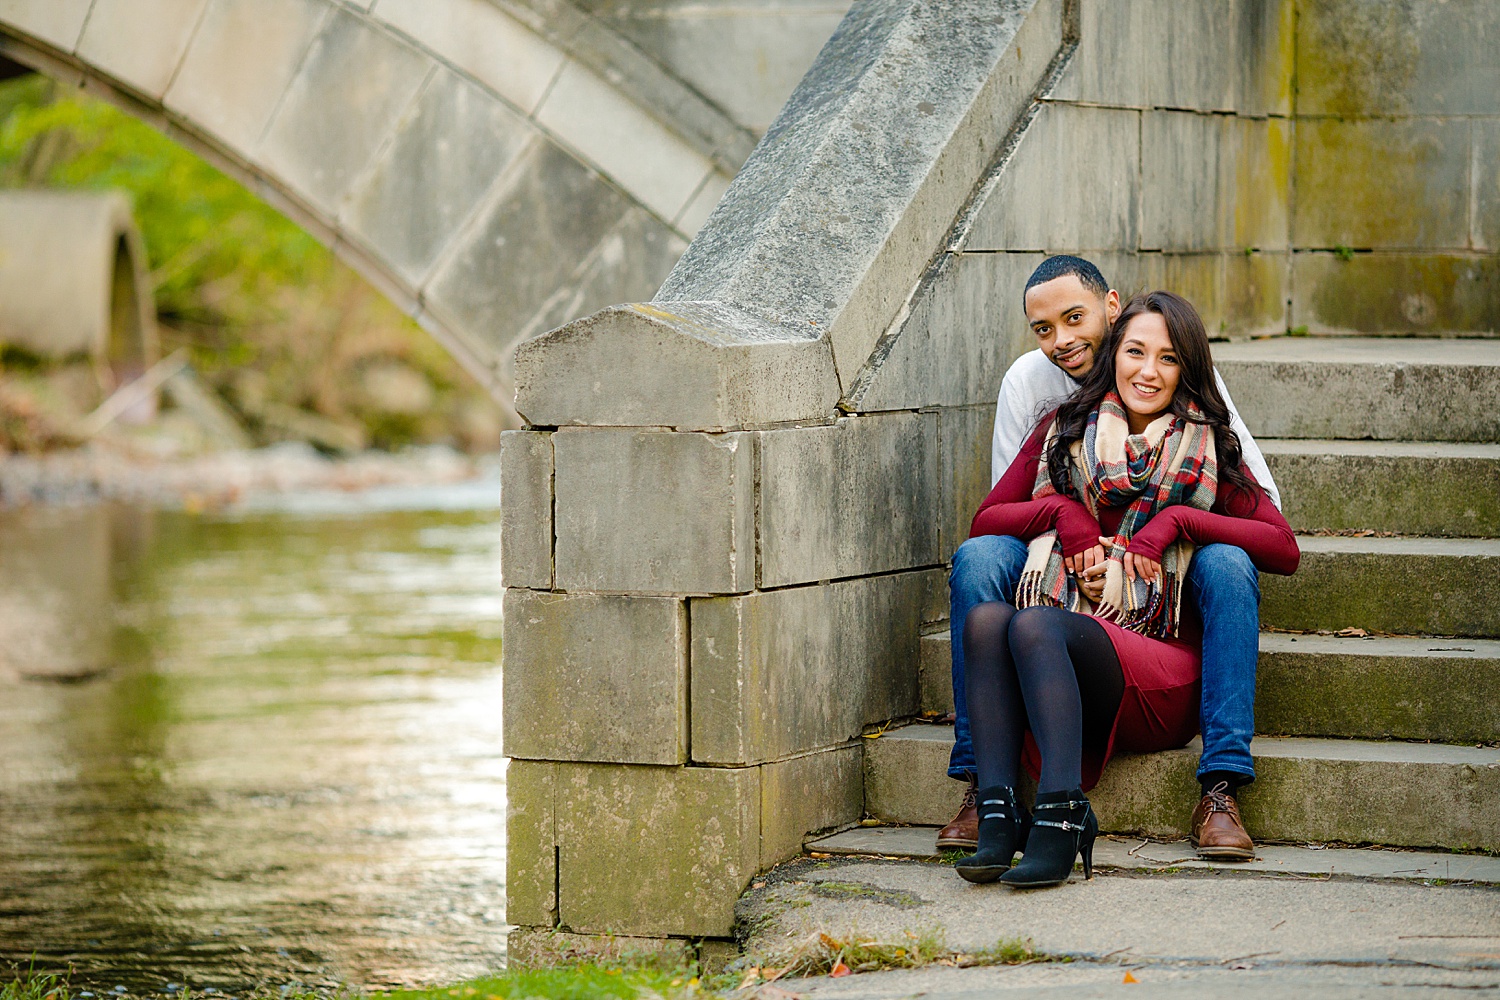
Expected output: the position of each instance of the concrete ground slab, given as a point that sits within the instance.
(1089, 980)
(1219, 918)
(1134, 854)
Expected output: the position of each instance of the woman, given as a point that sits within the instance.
(1112, 491)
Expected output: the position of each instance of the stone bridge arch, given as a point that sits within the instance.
(496, 167)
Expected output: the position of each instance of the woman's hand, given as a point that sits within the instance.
(1138, 566)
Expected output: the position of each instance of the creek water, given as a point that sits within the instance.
(260, 749)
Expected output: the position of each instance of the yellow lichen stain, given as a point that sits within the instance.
(1356, 58)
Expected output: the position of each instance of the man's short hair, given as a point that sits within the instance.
(1056, 267)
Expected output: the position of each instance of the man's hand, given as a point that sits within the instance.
(1138, 566)
(1092, 563)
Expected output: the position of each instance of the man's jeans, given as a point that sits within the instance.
(1221, 580)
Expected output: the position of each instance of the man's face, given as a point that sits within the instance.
(1070, 322)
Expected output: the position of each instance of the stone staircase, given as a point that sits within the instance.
(1389, 738)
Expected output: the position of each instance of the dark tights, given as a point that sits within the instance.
(1056, 669)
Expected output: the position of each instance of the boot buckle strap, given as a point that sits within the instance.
(1064, 825)
(1058, 805)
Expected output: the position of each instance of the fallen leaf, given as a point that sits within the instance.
(839, 971)
(1352, 633)
(1130, 979)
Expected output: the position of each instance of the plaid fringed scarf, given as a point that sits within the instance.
(1173, 462)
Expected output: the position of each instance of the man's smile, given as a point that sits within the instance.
(1072, 358)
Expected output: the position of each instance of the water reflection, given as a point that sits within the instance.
(254, 750)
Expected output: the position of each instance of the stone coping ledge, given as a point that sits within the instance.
(693, 366)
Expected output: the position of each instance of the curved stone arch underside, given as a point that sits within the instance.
(496, 167)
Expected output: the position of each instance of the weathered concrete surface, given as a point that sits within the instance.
(586, 113)
(746, 59)
(1134, 854)
(1401, 292)
(599, 678)
(1397, 389)
(654, 511)
(729, 369)
(1214, 182)
(964, 440)
(935, 674)
(1400, 164)
(833, 218)
(445, 153)
(1398, 59)
(1282, 929)
(966, 326)
(849, 499)
(1415, 488)
(540, 947)
(1414, 689)
(615, 873)
(1231, 979)
(1072, 184)
(530, 861)
(73, 278)
(1409, 794)
(1158, 918)
(526, 509)
(779, 672)
(816, 791)
(1126, 58)
(1406, 586)
(240, 63)
(139, 41)
(325, 132)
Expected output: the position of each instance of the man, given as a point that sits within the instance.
(1069, 307)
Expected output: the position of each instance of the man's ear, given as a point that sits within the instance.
(1112, 306)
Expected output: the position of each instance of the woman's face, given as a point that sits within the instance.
(1146, 369)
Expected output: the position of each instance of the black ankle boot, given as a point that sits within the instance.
(1063, 826)
(1002, 831)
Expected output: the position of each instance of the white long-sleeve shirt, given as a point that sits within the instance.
(1034, 386)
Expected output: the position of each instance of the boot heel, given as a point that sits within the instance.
(1086, 848)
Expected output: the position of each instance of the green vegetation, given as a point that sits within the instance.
(821, 953)
(273, 322)
(583, 981)
(1344, 253)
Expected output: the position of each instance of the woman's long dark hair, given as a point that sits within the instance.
(1195, 384)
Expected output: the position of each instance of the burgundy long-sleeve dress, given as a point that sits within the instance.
(1160, 706)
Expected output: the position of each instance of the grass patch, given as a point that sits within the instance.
(821, 954)
(576, 981)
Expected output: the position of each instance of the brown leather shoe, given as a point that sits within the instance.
(1217, 830)
(963, 833)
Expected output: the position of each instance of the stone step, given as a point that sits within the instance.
(1365, 387)
(1131, 854)
(1411, 487)
(1410, 586)
(1407, 688)
(1320, 790)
